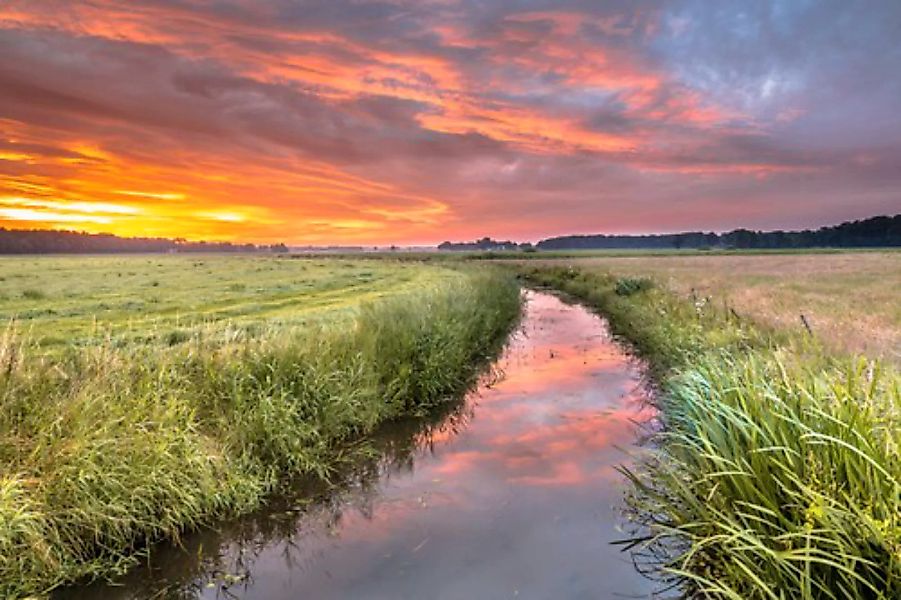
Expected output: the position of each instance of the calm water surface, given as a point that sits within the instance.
(513, 494)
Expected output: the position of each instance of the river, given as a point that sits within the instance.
(513, 493)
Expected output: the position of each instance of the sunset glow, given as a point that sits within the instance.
(413, 122)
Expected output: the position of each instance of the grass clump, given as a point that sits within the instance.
(776, 470)
(106, 448)
(177, 336)
(627, 286)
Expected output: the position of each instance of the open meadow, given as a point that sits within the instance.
(143, 397)
(57, 301)
(850, 299)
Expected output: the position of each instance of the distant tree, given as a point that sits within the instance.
(23, 241)
(485, 244)
(880, 231)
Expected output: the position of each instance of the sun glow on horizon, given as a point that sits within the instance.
(247, 124)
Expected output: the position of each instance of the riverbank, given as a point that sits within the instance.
(849, 299)
(776, 471)
(107, 447)
(511, 492)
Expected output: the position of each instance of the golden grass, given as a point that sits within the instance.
(851, 299)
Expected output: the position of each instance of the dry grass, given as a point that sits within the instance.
(851, 299)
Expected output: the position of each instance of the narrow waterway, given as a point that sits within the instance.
(513, 494)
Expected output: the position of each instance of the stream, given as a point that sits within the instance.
(511, 493)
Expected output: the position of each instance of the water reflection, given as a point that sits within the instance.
(511, 493)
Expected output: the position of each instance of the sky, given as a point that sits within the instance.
(418, 121)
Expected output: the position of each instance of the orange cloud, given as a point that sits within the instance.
(217, 199)
(249, 123)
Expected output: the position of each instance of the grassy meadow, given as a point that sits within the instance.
(775, 469)
(61, 300)
(850, 299)
(141, 396)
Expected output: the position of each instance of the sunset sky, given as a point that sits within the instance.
(416, 121)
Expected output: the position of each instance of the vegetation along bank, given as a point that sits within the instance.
(776, 470)
(112, 441)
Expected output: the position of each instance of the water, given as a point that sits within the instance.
(512, 494)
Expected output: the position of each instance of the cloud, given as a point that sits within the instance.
(402, 121)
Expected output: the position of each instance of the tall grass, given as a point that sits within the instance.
(105, 449)
(776, 472)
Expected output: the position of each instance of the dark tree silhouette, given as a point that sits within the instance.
(21, 241)
(875, 232)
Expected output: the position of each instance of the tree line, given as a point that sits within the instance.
(486, 243)
(875, 232)
(37, 241)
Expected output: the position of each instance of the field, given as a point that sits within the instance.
(58, 301)
(850, 299)
(141, 396)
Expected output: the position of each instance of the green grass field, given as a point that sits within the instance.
(58, 301)
(141, 396)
